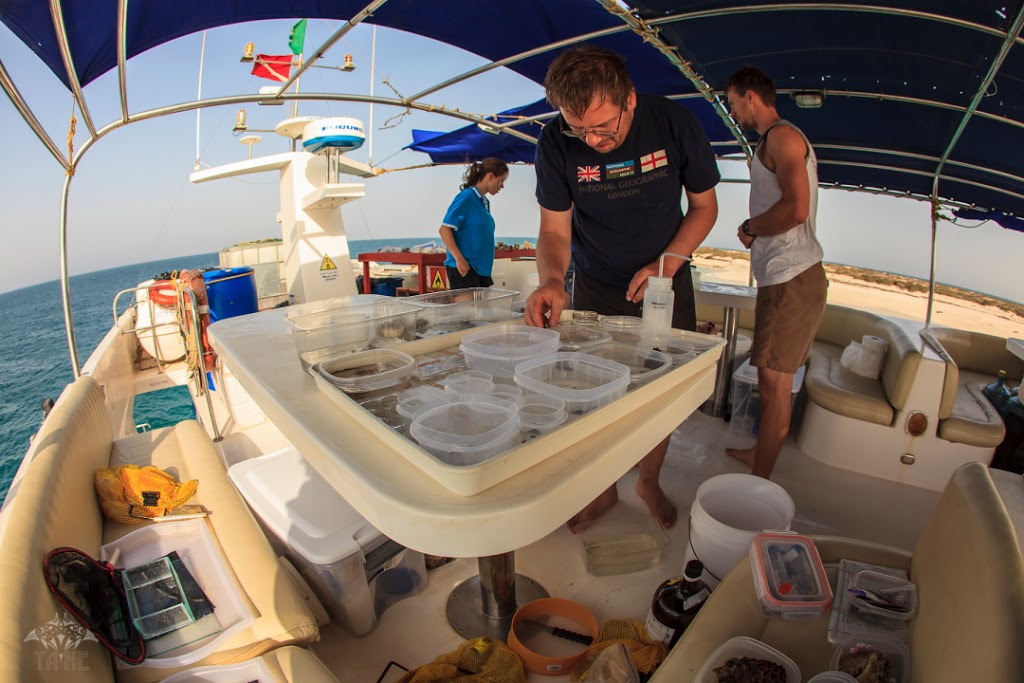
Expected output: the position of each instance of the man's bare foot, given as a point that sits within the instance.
(658, 503)
(595, 509)
(745, 456)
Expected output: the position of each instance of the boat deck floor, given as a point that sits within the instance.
(829, 501)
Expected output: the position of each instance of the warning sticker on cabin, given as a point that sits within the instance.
(328, 271)
(438, 282)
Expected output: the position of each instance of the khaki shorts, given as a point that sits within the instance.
(787, 318)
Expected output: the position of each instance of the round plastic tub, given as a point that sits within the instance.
(624, 329)
(498, 349)
(678, 350)
(411, 400)
(644, 365)
(365, 372)
(743, 646)
(833, 677)
(854, 653)
(468, 382)
(583, 381)
(578, 337)
(466, 430)
(541, 651)
(540, 414)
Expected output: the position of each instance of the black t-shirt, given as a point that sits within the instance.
(628, 202)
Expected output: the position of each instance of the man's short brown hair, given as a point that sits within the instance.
(583, 73)
(751, 79)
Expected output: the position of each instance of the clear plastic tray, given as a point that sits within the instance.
(902, 591)
(852, 655)
(743, 646)
(577, 337)
(583, 381)
(352, 325)
(467, 430)
(621, 544)
(366, 372)
(540, 414)
(644, 365)
(444, 310)
(499, 348)
(788, 575)
(624, 329)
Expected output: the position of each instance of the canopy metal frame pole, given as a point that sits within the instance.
(11, 90)
(57, 14)
(122, 55)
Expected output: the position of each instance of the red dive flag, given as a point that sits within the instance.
(275, 67)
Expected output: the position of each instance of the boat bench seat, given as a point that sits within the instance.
(835, 388)
(55, 505)
(973, 360)
(969, 573)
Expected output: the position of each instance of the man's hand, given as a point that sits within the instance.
(745, 239)
(638, 285)
(544, 307)
(462, 264)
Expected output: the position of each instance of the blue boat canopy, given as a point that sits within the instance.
(920, 98)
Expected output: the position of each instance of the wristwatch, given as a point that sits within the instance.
(745, 227)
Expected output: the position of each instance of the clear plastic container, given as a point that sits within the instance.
(580, 337)
(353, 325)
(833, 677)
(644, 365)
(411, 400)
(508, 392)
(678, 350)
(368, 372)
(540, 415)
(887, 655)
(902, 592)
(468, 382)
(788, 575)
(467, 430)
(454, 309)
(498, 349)
(741, 647)
(583, 381)
(156, 599)
(624, 329)
(621, 544)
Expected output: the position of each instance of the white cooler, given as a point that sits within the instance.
(356, 571)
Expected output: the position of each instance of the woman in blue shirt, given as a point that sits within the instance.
(468, 227)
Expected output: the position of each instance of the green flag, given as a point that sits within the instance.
(297, 40)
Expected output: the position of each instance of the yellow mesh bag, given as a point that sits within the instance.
(129, 492)
(647, 654)
(480, 660)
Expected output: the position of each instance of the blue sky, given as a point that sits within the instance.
(131, 200)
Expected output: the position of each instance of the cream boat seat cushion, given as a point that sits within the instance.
(55, 505)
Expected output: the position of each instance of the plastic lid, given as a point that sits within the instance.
(302, 509)
(788, 574)
(694, 570)
(510, 342)
(572, 376)
(659, 283)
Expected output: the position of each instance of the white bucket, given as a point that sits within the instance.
(728, 512)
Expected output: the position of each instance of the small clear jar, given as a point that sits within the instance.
(586, 318)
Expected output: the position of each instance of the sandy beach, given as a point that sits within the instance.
(888, 300)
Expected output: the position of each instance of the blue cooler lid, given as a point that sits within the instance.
(220, 273)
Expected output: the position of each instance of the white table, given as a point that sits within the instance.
(420, 513)
(732, 298)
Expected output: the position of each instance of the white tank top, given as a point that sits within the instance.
(775, 259)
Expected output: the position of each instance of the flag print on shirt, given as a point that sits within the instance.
(588, 174)
(654, 160)
(623, 169)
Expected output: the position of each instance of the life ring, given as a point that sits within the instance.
(164, 293)
(194, 280)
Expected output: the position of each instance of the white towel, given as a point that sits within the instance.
(866, 357)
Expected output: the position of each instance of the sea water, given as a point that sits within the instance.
(34, 359)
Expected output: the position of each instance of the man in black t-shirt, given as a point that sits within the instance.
(611, 172)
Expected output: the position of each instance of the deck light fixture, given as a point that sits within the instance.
(240, 122)
(250, 52)
(349, 64)
(809, 99)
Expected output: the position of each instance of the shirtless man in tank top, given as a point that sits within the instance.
(785, 257)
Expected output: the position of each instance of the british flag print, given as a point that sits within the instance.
(588, 174)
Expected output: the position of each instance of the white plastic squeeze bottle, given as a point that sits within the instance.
(659, 302)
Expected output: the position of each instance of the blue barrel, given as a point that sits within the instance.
(231, 292)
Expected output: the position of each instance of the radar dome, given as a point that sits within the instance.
(342, 133)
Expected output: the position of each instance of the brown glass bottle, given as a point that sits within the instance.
(676, 603)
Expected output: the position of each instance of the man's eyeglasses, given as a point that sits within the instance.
(582, 133)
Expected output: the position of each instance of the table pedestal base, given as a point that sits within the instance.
(484, 605)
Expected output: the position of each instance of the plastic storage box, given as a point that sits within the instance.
(579, 337)
(539, 415)
(368, 373)
(583, 381)
(624, 329)
(468, 382)
(883, 654)
(746, 399)
(644, 365)
(355, 325)
(333, 547)
(456, 309)
(467, 430)
(498, 349)
(901, 592)
(789, 577)
(745, 647)
(621, 544)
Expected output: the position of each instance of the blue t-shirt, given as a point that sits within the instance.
(470, 219)
(627, 203)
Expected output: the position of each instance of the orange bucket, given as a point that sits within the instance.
(551, 664)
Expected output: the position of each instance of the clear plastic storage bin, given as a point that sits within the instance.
(744, 651)
(888, 656)
(621, 544)
(540, 415)
(624, 329)
(644, 365)
(583, 381)
(468, 382)
(746, 398)
(354, 325)
(457, 309)
(789, 577)
(498, 349)
(467, 430)
(901, 592)
(368, 373)
(580, 337)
